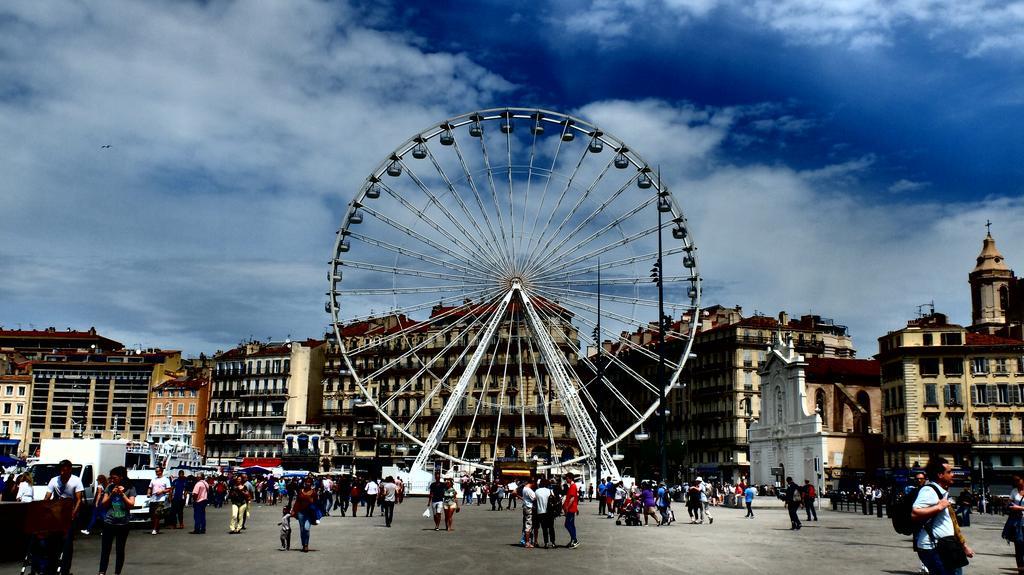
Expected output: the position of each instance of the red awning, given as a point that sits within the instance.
(267, 462)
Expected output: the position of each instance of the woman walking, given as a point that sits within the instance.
(117, 502)
(451, 505)
(238, 495)
(302, 511)
(1014, 530)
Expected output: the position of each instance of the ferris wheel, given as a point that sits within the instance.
(491, 279)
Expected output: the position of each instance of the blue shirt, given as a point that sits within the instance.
(748, 494)
(179, 484)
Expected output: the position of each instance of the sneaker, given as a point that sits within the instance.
(85, 532)
(711, 520)
(154, 532)
(573, 544)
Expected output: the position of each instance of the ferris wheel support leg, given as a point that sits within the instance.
(582, 425)
(445, 418)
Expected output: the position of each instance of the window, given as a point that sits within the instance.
(7, 409)
(983, 429)
(1004, 425)
(1003, 393)
(956, 426)
(953, 366)
(951, 339)
(979, 365)
(933, 428)
(159, 409)
(748, 381)
(181, 409)
(929, 366)
(19, 409)
(1001, 365)
(930, 395)
(1016, 393)
(192, 409)
(9, 390)
(21, 390)
(951, 394)
(17, 427)
(926, 338)
(991, 394)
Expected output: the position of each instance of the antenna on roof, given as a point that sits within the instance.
(930, 306)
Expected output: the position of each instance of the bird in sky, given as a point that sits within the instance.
(104, 146)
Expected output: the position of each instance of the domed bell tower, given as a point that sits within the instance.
(991, 281)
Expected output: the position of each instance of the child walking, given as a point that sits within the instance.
(286, 529)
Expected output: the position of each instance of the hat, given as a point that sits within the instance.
(699, 480)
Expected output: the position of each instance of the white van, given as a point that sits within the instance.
(89, 458)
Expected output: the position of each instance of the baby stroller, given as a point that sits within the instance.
(45, 521)
(629, 513)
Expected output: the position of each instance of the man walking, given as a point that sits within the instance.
(932, 511)
(389, 494)
(64, 486)
(794, 498)
(809, 496)
(327, 495)
(372, 491)
(158, 488)
(529, 500)
(200, 496)
(570, 505)
(437, 489)
(180, 488)
(748, 498)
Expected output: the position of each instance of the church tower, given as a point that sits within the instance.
(991, 282)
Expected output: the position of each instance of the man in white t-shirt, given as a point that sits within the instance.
(327, 495)
(931, 511)
(372, 490)
(159, 488)
(529, 500)
(64, 486)
(389, 494)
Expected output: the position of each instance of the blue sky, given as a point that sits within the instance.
(838, 158)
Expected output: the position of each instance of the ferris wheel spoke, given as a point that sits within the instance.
(551, 215)
(411, 290)
(479, 250)
(511, 200)
(495, 252)
(561, 295)
(502, 248)
(573, 210)
(529, 183)
(466, 260)
(494, 196)
(394, 270)
(556, 249)
(586, 361)
(547, 184)
(555, 253)
(625, 240)
(543, 399)
(558, 271)
(414, 254)
(561, 287)
(448, 411)
(468, 253)
(502, 395)
(481, 293)
(481, 399)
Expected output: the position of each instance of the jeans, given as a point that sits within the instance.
(304, 521)
(930, 559)
(750, 511)
(98, 513)
(388, 509)
(199, 516)
(809, 507)
(371, 502)
(112, 534)
(547, 526)
(570, 526)
(50, 547)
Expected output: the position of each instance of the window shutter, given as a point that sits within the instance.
(1014, 394)
(991, 394)
(947, 394)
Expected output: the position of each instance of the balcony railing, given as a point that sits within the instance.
(261, 436)
(264, 392)
(261, 415)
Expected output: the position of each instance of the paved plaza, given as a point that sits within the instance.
(840, 543)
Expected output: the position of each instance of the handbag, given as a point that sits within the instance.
(1012, 529)
(428, 513)
(951, 552)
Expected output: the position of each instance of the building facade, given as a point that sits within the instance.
(15, 390)
(257, 389)
(178, 410)
(957, 391)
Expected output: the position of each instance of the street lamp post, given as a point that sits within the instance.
(657, 275)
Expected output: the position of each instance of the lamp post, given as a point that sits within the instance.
(657, 276)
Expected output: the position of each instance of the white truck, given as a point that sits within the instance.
(89, 459)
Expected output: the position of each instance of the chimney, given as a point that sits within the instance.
(783, 319)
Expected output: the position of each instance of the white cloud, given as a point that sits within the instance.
(237, 132)
(904, 185)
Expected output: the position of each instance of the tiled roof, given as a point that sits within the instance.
(824, 369)
(183, 383)
(985, 339)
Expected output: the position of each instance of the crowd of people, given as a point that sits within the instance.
(938, 519)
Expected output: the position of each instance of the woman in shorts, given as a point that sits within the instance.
(450, 504)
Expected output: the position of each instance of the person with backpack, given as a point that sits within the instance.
(809, 495)
(902, 522)
(794, 498)
(939, 542)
